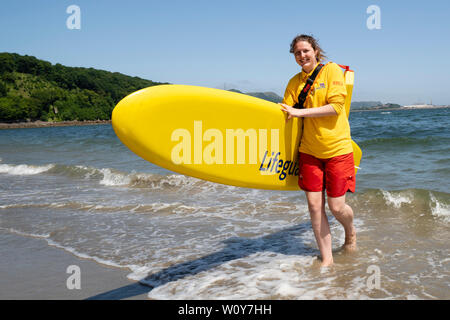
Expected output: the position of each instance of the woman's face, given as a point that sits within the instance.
(305, 55)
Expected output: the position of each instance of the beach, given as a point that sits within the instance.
(32, 270)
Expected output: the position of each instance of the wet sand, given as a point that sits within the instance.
(30, 269)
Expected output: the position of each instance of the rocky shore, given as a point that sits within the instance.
(42, 124)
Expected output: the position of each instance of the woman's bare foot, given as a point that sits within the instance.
(350, 241)
(327, 263)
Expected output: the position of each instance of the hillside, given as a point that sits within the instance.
(33, 89)
(269, 96)
(361, 105)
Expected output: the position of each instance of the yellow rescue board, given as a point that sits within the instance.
(212, 134)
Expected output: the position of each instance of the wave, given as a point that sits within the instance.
(109, 177)
(24, 169)
(106, 176)
(26, 234)
(440, 209)
(411, 202)
(166, 183)
(156, 207)
(414, 200)
(397, 199)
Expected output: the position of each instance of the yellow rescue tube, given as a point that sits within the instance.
(212, 134)
(349, 78)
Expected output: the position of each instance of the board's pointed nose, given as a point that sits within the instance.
(120, 119)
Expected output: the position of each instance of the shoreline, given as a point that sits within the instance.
(402, 108)
(44, 124)
(33, 270)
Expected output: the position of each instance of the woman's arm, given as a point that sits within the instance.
(323, 111)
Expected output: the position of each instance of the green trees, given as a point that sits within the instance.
(12, 108)
(3, 89)
(35, 89)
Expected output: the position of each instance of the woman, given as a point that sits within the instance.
(326, 154)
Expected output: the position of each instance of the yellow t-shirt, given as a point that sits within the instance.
(323, 137)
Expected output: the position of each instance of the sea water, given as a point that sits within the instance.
(83, 191)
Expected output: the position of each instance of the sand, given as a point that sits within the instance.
(30, 269)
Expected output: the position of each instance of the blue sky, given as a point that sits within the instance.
(242, 44)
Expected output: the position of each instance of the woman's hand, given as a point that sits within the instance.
(323, 111)
(291, 112)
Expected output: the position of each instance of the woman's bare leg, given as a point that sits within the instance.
(344, 214)
(321, 228)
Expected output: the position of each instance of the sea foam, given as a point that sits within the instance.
(24, 169)
(396, 199)
(439, 209)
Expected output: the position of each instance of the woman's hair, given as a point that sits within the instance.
(320, 56)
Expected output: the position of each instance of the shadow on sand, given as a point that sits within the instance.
(286, 241)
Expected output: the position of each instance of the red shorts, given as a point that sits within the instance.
(336, 175)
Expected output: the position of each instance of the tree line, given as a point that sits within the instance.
(33, 89)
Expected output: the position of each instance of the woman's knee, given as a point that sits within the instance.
(315, 203)
(315, 209)
(337, 205)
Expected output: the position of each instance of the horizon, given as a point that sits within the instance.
(240, 45)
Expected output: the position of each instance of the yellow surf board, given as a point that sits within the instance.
(212, 134)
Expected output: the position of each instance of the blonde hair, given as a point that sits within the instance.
(320, 55)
